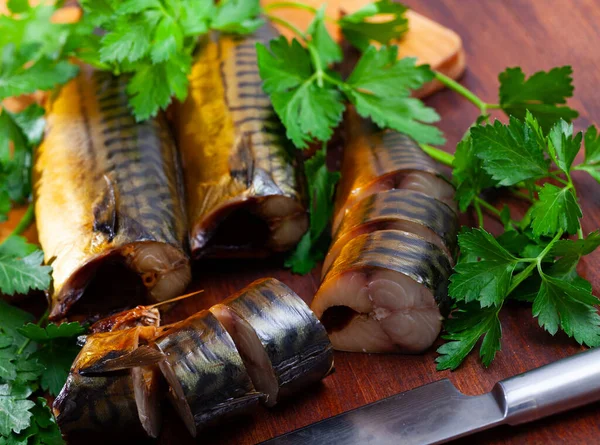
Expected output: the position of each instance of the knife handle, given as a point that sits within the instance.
(566, 384)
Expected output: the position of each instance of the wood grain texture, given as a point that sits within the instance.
(534, 34)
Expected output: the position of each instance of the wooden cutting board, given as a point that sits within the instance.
(428, 41)
(537, 35)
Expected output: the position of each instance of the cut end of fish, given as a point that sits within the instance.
(378, 311)
(253, 354)
(146, 389)
(424, 182)
(386, 291)
(132, 274)
(284, 346)
(177, 397)
(164, 269)
(257, 226)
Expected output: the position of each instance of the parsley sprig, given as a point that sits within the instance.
(33, 359)
(310, 97)
(152, 41)
(532, 156)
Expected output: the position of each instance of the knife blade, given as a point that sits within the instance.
(438, 412)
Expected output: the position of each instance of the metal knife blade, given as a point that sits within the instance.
(429, 414)
(438, 412)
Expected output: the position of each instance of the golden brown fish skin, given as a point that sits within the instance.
(204, 369)
(294, 339)
(105, 403)
(234, 153)
(383, 210)
(399, 251)
(373, 157)
(108, 189)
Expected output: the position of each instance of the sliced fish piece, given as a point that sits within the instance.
(376, 161)
(206, 375)
(244, 195)
(387, 291)
(123, 403)
(284, 346)
(108, 201)
(405, 210)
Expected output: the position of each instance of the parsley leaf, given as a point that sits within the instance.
(320, 39)
(15, 411)
(380, 87)
(360, 31)
(592, 146)
(542, 94)
(557, 209)
(51, 332)
(19, 276)
(307, 111)
(563, 146)
(321, 185)
(468, 174)
(485, 275)
(468, 324)
(502, 147)
(577, 247)
(569, 305)
(592, 153)
(237, 16)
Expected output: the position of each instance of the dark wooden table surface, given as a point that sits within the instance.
(533, 34)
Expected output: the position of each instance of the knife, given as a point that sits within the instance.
(438, 412)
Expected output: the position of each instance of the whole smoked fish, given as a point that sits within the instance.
(108, 201)
(387, 291)
(376, 161)
(244, 197)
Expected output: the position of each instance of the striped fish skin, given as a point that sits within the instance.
(295, 342)
(402, 252)
(376, 161)
(237, 163)
(387, 291)
(400, 210)
(109, 403)
(108, 190)
(206, 375)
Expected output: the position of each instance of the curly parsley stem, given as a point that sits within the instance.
(40, 322)
(288, 25)
(479, 213)
(439, 155)
(293, 5)
(467, 94)
(515, 191)
(490, 208)
(534, 262)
